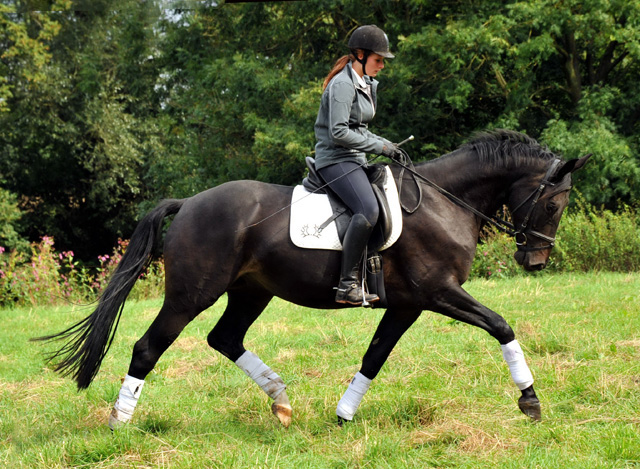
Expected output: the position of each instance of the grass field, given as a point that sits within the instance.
(444, 398)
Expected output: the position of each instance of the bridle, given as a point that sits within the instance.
(524, 231)
(521, 234)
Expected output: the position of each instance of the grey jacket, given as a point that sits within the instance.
(341, 127)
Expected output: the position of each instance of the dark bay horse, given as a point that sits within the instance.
(216, 245)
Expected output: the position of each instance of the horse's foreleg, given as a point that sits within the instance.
(227, 337)
(459, 305)
(390, 329)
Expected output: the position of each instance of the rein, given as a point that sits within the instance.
(520, 234)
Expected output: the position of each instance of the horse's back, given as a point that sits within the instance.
(223, 218)
(234, 205)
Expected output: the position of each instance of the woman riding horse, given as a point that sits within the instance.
(348, 105)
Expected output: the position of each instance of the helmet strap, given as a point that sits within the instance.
(363, 60)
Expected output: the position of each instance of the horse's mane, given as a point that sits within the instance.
(506, 147)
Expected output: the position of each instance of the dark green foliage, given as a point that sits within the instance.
(10, 216)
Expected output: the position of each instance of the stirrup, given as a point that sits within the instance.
(352, 294)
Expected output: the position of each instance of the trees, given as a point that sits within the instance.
(564, 72)
(74, 143)
(104, 110)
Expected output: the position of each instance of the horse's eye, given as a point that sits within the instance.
(551, 208)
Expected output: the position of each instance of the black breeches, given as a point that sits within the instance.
(350, 183)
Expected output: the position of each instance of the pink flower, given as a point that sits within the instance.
(1, 249)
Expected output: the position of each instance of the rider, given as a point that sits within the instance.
(348, 105)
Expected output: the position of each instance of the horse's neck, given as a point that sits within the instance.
(482, 186)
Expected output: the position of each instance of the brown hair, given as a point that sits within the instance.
(338, 66)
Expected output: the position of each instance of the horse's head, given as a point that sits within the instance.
(536, 208)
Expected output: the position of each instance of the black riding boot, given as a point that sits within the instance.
(355, 241)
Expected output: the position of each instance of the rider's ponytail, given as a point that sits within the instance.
(338, 66)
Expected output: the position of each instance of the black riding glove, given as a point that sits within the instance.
(391, 150)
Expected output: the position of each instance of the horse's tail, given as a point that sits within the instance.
(88, 341)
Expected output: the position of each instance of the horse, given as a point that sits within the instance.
(233, 239)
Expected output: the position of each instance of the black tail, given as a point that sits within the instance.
(89, 340)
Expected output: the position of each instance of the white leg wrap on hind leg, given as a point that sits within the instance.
(127, 401)
(264, 376)
(353, 395)
(512, 353)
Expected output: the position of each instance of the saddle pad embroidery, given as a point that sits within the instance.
(309, 211)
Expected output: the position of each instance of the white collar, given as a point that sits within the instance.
(360, 79)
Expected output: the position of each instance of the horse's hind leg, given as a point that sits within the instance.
(393, 325)
(164, 330)
(243, 308)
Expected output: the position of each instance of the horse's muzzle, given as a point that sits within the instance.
(532, 260)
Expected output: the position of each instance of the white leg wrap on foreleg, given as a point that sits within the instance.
(512, 353)
(353, 395)
(264, 376)
(127, 401)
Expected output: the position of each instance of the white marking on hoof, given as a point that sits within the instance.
(284, 413)
(281, 408)
(118, 419)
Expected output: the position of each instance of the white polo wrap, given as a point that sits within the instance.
(128, 397)
(512, 353)
(353, 395)
(264, 376)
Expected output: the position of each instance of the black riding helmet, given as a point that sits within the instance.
(370, 39)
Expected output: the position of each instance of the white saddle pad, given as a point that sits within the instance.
(309, 211)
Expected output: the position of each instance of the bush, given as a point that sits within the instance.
(10, 215)
(598, 240)
(587, 240)
(494, 256)
(50, 277)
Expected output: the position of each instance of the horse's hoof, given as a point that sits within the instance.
(531, 408)
(116, 419)
(283, 412)
(342, 420)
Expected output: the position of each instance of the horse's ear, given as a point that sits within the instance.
(570, 167)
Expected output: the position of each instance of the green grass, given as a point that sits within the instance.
(444, 398)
